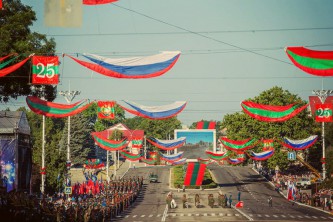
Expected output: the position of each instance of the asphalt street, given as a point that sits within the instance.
(254, 192)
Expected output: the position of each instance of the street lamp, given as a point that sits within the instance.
(322, 95)
(69, 96)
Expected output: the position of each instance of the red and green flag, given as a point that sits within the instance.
(194, 174)
(269, 113)
(137, 143)
(130, 156)
(106, 109)
(106, 144)
(149, 161)
(238, 145)
(217, 156)
(206, 125)
(324, 112)
(268, 144)
(319, 63)
(45, 70)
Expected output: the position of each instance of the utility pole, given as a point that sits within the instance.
(322, 95)
(69, 96)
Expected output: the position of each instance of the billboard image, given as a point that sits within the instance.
(197, 142)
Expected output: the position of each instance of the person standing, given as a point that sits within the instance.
(239, 196)
(184, 200)
(178, 188)
(230, 200)
(270, 201)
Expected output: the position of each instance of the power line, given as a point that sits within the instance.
(182, 33)
(200, 34)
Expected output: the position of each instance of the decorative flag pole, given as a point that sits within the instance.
(43, 157)
(322, 95)
(69, 96)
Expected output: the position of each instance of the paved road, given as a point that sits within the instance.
(255, 191)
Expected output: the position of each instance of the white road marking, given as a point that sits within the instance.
(126, 216)
(135, 215)
(331, 218)
(300, 216)
(143, 215)
(283, 216)
(182, 215)
(197, 214)
(266, 215)
(259, 215)
(221, 214)
(205, 214)
(275, 216)
(158, 215)
(314, 217)
(237, 215)
(212, 214)
(150, 215)
(189, 214)
(323, 217)
(291, 216)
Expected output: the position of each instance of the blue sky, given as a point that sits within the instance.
(231, 50)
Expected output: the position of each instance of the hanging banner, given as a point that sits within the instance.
(45, 70)
(206, 125)
(97, 2)
(268, 144)
(137, 143)
(324, 112)
(106, 109)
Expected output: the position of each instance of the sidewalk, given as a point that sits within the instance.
(284, 193)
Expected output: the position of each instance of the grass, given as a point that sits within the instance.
(177, 178)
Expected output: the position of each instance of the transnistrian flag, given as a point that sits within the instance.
(324, 112)
(268, 144)
(194, 174)
(45, 70)
(106, 109)
(206, 125)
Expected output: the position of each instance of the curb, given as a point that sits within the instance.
(305, 205)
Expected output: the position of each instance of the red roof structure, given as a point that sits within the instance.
(128, 133)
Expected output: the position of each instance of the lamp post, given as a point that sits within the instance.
(69, 96)
(322, 95)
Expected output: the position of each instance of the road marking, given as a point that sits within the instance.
(237, 215)
(182, 215)
(275, 216)
(143, 215)
(299, 216)
(189, 214)
(266, 215)
(259, 215)
(323, 217)
(250, 215)
(229, 215)
(150, 215)
(331, 218)
(291, 216)
(221, 214)
(205, 214)
(135, 215)
(212, 214)
(197, 214)
(314, 217)
(283, 216)
(126, 216)
(158, 215)
(307, 216)
(165, 213)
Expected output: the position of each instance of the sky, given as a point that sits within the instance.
(232, 50)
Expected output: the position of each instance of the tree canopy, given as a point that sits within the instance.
(16, 37)
(241, 126)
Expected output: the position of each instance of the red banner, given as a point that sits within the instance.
(0, 4)
(45, 70)
(324, 112)
(106, 109)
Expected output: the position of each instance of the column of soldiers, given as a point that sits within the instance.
(116, 197)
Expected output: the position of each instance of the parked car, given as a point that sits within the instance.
(303, 183)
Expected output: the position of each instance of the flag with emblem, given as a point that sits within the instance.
(106, 109)
(324, 112)
(194, 174)
(45, 70)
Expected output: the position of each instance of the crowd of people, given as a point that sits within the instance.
(321, 198)
(111, 200)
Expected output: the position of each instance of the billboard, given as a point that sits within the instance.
(197, 142)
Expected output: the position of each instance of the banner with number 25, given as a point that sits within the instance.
(45, 70)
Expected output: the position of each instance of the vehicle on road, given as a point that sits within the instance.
(153, 178)
(304, 183)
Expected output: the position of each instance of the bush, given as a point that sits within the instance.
(178, 179)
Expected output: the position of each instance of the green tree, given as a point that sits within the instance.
(54, 158)
(241, 126)
(81, 142)
(16, 37)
